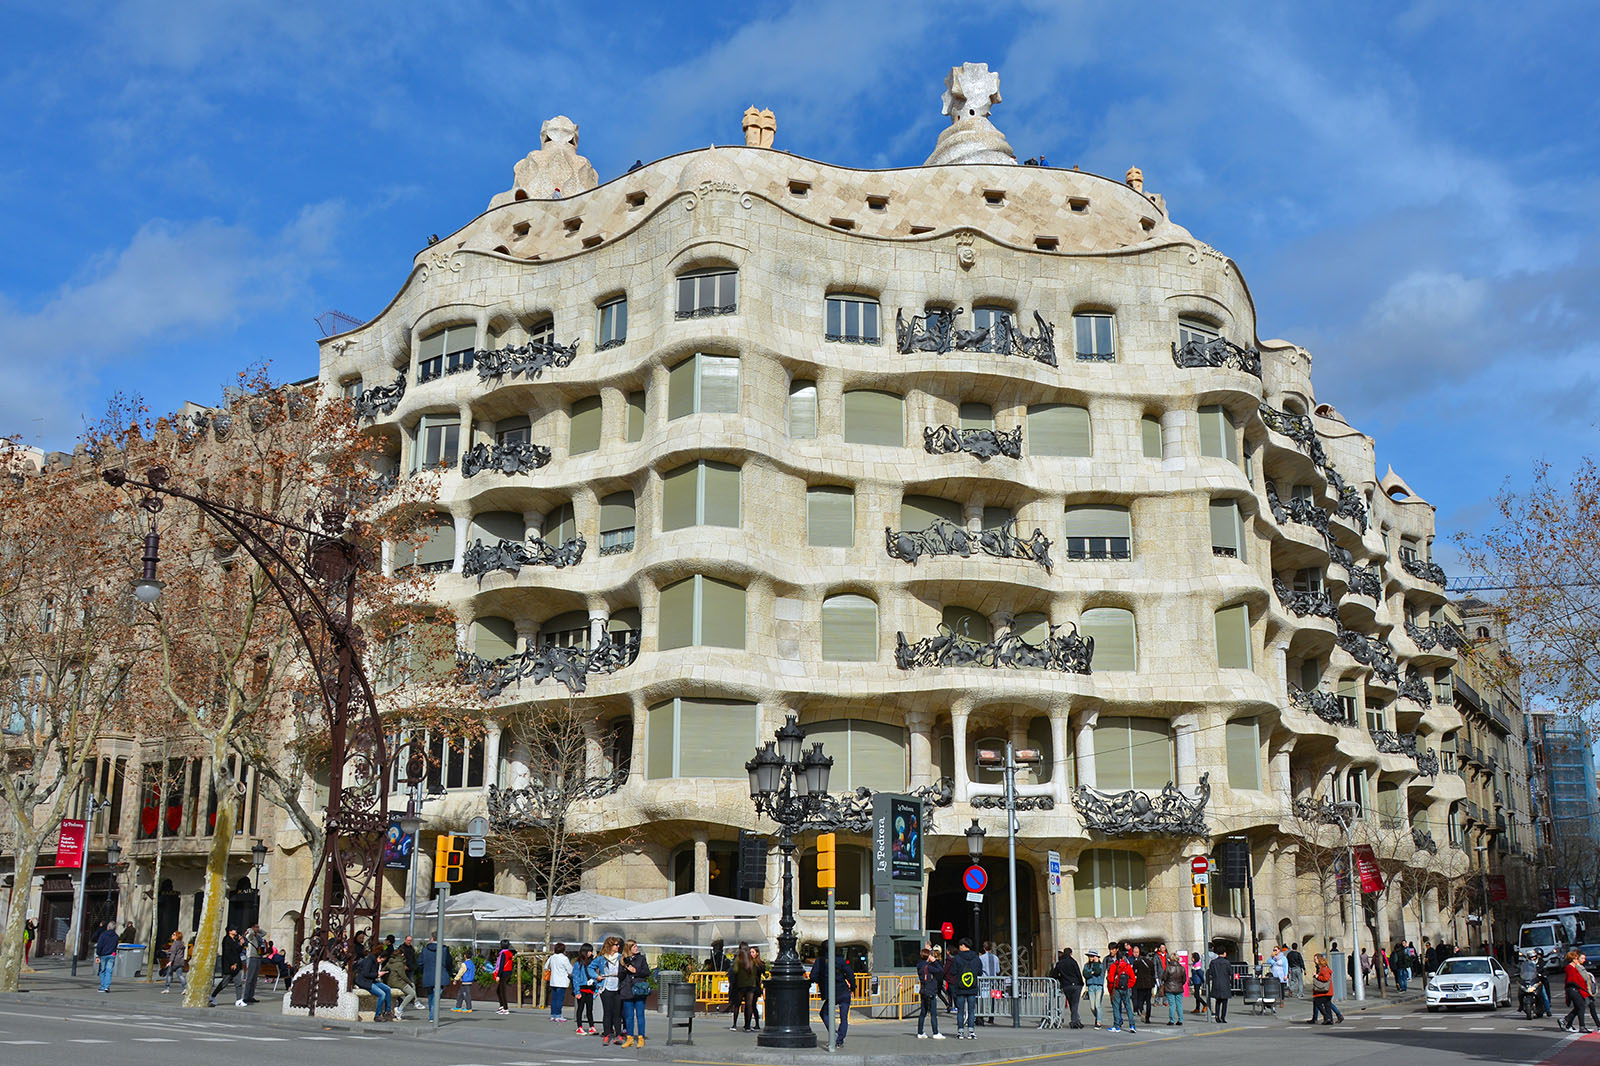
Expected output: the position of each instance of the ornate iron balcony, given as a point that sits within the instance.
(532, 359)
(1352, 506)
(1167, 813)
(381, 399)
(1304, 602)
(1370, 652)
(1325, 705)
(709, 311)
(538, 805)
(936, 332)
(513, 555)
(521, 458)
(1297, 428)
(1427, 762)
(1423, 841)
(1070, 654)
(571, 667)
(1415, 689)
(982, 444)
(944, 537)
(1389, 742)
(1217, 352)
(1436, 635)
(1425, 569)
(1297, 509)
(1364, 581)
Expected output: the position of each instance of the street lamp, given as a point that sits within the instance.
(975, 835)
(113, 861)
(1485, 929)
(790, 787)
(1013, 760)
(258, 859)
(1346, 811)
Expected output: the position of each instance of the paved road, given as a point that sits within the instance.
(52, 1035)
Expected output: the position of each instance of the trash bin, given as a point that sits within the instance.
(1341, 980)
(666, 980)
(679, 998)
(130, 960)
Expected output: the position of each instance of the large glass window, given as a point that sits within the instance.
(699, 738)
(1227, 529)
(613, 324)
(616, 523)
(703, 384)
(701, 611)
(1233, 637)
(853, 319)
(518, 429)
(1092, 333)
(1132, 753)
(1218, 436)
(436, 549)
(636, 412)
(494, 638)
(1098, 531)
(1192, 329)
(1109, 884)
(830, 516)
(872, 417)
(1115, 644)
(1058, 429)
(849, 875)
(1150, 436)
(870, 754)
(708, 292)
(703, 493)
(446, 351)
(849, 629)
(921, 512)
(584, 427)
(438, 442)
(803, 410)
(1243, 737)
(494, 526)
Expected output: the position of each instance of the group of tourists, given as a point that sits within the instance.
(618, 976)
(1132, 980)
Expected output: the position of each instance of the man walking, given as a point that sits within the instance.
(254, 944)
(1069, 978)
(228, 972)
(105, 954)
(1144, 983)
(962, 975)
(991, 969)
(1120, 979)
(1220, 975)
(842, 973)
(437, 965)
(1297, 972)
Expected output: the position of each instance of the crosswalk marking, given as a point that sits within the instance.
(21, 1043)
(153, 1040)
(88, 1040)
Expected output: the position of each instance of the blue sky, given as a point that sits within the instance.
(1410, 190)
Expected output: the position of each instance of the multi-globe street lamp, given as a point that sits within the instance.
(790, 786)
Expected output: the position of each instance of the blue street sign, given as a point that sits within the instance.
(975, 879)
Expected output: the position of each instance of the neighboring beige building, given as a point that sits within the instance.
(772, 361)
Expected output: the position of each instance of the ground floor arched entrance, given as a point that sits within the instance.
(991, 918)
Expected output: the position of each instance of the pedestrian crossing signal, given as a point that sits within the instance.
(827, 860)
(447, 859)
(1200, 896)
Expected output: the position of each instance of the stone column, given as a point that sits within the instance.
(463, 524)
(527, 633)
(1172, 431)
(597, 625)
(1289, 887)
(468, 435)
(641, 723)
(1084, 748)
(1184, 729)
(1280, 659)
(702, 864)
(594, 755)
(491, 753)
(521, 756)
(958, 739)
(919, 726)
(1278, 769)
(1060, 758)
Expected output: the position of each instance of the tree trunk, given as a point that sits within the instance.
(27, 858)
(208, 940)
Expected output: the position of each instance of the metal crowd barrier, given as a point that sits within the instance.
(1039, 1001)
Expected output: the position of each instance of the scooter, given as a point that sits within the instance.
(1532, 999)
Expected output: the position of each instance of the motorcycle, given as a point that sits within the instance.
(1532, 1001)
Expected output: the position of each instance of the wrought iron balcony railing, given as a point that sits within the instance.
(1370, 652)
(708, 311)
(944, 537)
(531, 359)
(381, 399)
(1352, 505)
(1136, 811)
(1297, 428)
(936, 332)
(1069, 653)
(523, 457)
(1437, 635)
(981, 444)
(1425, 569)
(541, 804)
(1325, 705)
(1364, 581)
(1217, 352)
(513, 555)
(1415, 689)
(1391, 743)
(571, 667)
(1302, 602)
(1423, 841)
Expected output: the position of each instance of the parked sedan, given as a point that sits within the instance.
(1469, 981)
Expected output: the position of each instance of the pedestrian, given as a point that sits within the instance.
(1120, 977)
(408, 951)
(1197, 981)
(744, 984)
(177, 962)
(129, 934)
(1278, 966)
(1399, 964)
(558, 974)
(466, 977)
(635, 986)
(1297, 971)
(843, 975)
(1069, 978)
(1094, 983)
(962, 978)
(583, 989)
(105, 953)
(991, 970)
(230, 971)
(30, 930)
(436, 967)
(1577, 992)
(358, 946)
(1321, 990)
(254, 944)
(1144, 983)
(1220, 974)
(370, 972)
(609, 975)
(505, 964)
(930, 975)
(1172, 981)
(403, 990)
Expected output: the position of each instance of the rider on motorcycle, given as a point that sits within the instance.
(1531, 979)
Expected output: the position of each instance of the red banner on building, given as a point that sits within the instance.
(1367, 867)
(1497, 887)
(69, 842)
(1563, 897)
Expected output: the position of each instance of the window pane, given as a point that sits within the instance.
(1113, 765)
(803, 410)
(686, 296)
(1244, 753)
(493, 526)
(1226, 527)
(680, 389)
(585, 428)
(616, 512)
(1098, 520)
(1114, 642)
(830, 517)
(1039, 738)
(877, 756)
(440, 546)
(976, 416)
(661, 740)
(1058, 429)
(715, 737)
(835, 318)
(494, 638)
(721, 614)
(849, 629)
(719, 384)
(1150, 433)
(676, 615)
(1217, 436)
(636, 412)
(1233, 637)
(680, 497)
(873, 418)
(920, 512)
(432, 346)
(1150, 751)
(719, 488)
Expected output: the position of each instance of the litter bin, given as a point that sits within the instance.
(130, 960)
(666, 980)
(679, 998)
(1341, 979)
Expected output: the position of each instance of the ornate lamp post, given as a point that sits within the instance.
(975, 835)
(791, 788)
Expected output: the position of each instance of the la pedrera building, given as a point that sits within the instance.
(934, 458)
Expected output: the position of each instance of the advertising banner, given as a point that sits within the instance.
(1497, 887)
(396, 847)
(1367, 868)
(69, 844)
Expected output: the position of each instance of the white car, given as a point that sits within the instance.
(1469, 981)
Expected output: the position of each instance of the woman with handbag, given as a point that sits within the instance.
(1321, 990)
(635, 989)
(1577, 992)
(505, 961)
(583, 990)
(609, 974)
(177, 962)
(558, 976)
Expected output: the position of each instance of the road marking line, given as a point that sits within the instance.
(319, 1038)
(22, 1043)
(1435, 1029)
(153, 1040)
(86, 1040)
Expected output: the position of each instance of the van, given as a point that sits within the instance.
(1547, 936)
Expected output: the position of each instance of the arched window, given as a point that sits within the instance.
(703, 293)
(1109, 884)
(701, 611)
(803, 410)
(872, 417)
(1059, 429)
(1116, 645)
(849, 629)
(446, 351)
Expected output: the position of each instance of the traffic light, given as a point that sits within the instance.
(827, 860)
(446, 860)
(1200, 896)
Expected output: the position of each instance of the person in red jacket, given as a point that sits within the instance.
(1119, 980)
(1577, 992)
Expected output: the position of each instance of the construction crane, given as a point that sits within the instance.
(331, 322)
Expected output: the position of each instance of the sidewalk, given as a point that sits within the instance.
(870, 1042)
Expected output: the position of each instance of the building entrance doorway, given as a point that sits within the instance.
(947, 902)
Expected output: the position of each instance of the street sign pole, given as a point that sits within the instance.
(1011, 879)
(438, 954)
(833, 979)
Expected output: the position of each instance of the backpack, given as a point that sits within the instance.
(963, 975)
(1120, 976)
